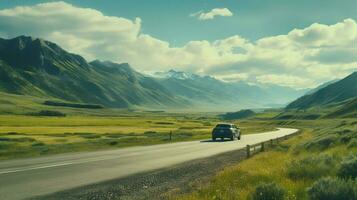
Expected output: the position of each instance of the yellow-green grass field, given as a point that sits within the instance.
(27, 136)
(294, 164)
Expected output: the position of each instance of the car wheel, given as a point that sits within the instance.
(232, 138)
(213, 139)
(239, 137)
(222, 138)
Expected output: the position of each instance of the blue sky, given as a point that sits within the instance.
(169, 19)
(299, 44)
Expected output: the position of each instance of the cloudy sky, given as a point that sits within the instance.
(292, 43)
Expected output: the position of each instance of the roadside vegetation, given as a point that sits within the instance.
(34, 126)
(319, 164)
(51, 132)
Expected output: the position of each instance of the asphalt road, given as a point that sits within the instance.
(26, 178)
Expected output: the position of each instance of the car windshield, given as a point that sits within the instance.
(223, 126)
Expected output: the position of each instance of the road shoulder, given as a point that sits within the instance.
(157, 184)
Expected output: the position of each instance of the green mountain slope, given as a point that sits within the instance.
(323, 85)
(40, 68)
(242, 114)
(347, 110)
(334, 93)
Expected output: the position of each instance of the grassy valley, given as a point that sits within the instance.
(24, 132)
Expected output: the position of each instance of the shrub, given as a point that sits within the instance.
(322, 142)
(345, 139)
(312, 167)
(269, 191)
(19, 139)
(4, 145)
(347, 136)
(164, 123)
(281, 147)
(206, 124)
(352, 143)
(112, 143)
(114, 135)
(348, 168)
(37, 144)
(151, 133)
(90, 136)
(333, 189)
(13, 133)
(4, 139)
(49, 113)
(73, 105)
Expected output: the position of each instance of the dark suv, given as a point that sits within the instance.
(222, 131)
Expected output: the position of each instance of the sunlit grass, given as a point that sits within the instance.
(239, 181)
(26, 136)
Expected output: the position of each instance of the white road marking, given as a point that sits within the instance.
(14, 170)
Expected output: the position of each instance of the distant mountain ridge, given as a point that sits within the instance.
(36, 67)
(208, 90)
(334, 93)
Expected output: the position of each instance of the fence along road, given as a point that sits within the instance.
(27, 178)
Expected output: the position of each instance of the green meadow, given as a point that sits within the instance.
(25, 136)
(295, 168)
(299, 166)
(26, 130)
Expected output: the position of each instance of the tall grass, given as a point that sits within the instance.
(301, 169)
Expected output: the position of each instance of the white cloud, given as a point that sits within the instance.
(284, 80)
(223, 12)
(301, 58)
(234, 77)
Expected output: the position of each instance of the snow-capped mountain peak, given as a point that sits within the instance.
(176, 75)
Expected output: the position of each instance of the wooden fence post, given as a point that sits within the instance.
(271, 142)
(248, 151)
(262, 147)
(170, 135)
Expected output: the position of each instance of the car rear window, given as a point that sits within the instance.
(223, 126)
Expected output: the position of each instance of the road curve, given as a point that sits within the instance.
(25, 178)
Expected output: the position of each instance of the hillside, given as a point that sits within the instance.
(242, 114)
(40, 68)
(323, 85)
(347, 110)
(332, 94)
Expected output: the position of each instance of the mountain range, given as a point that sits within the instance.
(32, 66)
(206, 90)
(41, 68)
